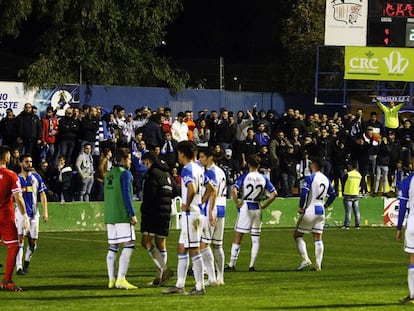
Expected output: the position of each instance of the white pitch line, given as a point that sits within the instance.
(72, 239)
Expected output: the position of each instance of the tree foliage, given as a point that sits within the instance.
(104, 42)
(303, 32)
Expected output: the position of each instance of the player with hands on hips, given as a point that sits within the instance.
(253, 186)
(316, 189)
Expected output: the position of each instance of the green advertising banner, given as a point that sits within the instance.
(379, 63)
(282, 213)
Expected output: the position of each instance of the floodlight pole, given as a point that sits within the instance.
(221, 73)
(80, 75)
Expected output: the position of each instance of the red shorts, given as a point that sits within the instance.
(8, 233)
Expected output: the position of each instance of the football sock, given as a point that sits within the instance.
(301, 245)
(182, 267)
(208, 261)
(12, 250)
(19, 256)
(156, 257)
(235, 250)
(411, 280)
(110, 261)
(219, 259)
(198, 268)
(29, 252)
(124, 260)
(255, 249)
(164, 255)
(319, 247)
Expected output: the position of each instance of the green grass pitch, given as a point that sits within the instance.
(362, 270)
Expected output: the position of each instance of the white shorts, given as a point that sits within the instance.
(213, 235)
(409, 236)
(191, 227)
(313, 220)
(120, 233)
(249, 220)
(34, 225)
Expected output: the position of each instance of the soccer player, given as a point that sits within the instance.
(120, 218)
(214, 213)
(156, 214)
(32, 186)
(316, 189)
(191, 221)
(10, 188)
(406, 196)
(253, 186)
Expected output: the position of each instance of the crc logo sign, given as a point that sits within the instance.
(395, 63)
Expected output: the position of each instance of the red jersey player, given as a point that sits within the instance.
(9, 189)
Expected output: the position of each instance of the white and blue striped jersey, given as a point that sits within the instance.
(220, 184)
(31, 187)
(406, 198)
(253, 186)
(216, 176)
(192, 173)
(315, 190)
(203, 185)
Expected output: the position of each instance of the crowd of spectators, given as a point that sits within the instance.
(74, 152)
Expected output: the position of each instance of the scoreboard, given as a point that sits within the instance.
(390, 23)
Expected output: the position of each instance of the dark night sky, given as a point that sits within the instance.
(239, 30)
(243, 32)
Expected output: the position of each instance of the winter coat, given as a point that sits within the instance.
(28, 125)
(159, 191)
(68, 128)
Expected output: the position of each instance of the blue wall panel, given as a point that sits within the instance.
(132, 98)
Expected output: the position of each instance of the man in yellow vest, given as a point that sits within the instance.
(352, 182)
(392, 120)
